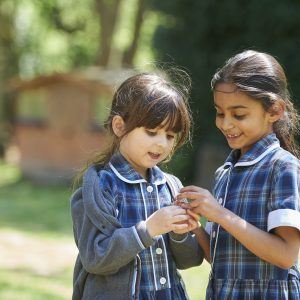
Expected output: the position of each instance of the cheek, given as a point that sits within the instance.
(171, 144)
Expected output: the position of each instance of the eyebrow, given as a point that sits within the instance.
(233, 107)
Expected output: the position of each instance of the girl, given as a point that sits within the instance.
(130, 239)
(254, 210)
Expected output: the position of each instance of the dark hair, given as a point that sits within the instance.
(260, 76)
(148, 100)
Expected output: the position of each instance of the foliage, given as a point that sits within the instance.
(40, 37)
(57, 36)
(201, 35)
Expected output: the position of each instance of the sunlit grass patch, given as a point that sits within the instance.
(31, 208)
(196, 280)
(8, 173)
(20, 284)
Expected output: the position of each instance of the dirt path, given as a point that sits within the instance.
(42, 256)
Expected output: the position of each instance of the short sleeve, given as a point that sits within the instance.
(284, 199)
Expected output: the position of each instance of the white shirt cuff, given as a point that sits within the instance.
(179, 241)
(208, 227)
(284, 217)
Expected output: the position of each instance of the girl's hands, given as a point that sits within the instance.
(203, 203)
(195, 217)
(165, 220)
(192, 223)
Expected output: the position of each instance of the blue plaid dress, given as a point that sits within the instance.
(137, 200)
(261, 187)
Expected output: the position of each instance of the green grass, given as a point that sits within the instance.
(196, 280)
(34, 209)
(30, 208)
(23, 285)
(43, 214)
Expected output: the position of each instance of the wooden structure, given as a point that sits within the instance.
(59, 121)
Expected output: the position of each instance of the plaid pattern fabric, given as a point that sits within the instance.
(138, 199)
(261, 187)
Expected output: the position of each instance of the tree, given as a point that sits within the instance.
(42, 37)
(108, 12)
(201, 35)
(130, 52)
(8, 68)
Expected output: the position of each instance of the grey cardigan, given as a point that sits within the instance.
(108, 259)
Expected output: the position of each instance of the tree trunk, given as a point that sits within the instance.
(8, 69)
(108, 12)
(129, 54)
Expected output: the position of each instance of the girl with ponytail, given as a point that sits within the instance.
(254, 227)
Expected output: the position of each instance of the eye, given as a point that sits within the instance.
(219, 115)
(151, 132)
(171, 136)
(239, 117)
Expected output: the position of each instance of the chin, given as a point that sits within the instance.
(233, 146)
(150, 165)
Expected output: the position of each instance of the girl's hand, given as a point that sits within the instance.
(165, 220)
(192, 223)
(202, 202)
(195, 217)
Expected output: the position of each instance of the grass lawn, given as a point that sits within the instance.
(36, 242)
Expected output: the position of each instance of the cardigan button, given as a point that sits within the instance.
(149, 189)
(220, 200)
(162, 280)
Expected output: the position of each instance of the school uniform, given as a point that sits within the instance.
(117, 258)
(261, 187)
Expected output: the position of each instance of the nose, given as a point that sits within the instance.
(226, 124)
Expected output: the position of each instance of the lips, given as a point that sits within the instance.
(154, 155)
(232, 136)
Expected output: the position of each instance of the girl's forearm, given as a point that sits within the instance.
(267, 246)
(203, 240)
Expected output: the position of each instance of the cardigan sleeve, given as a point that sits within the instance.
(185, 250)
(104, 246)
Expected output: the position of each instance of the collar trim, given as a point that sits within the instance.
(122, 177)
(252, 162)
(260, 157)
(225, 165)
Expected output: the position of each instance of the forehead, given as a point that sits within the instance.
(227, 97)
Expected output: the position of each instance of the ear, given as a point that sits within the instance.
(277, 110)
(118, 126)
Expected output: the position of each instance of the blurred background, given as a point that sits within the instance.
(60, 62)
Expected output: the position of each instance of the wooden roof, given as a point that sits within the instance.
(92, 78)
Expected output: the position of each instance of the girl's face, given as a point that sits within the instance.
(242, 119)
(144, 148)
